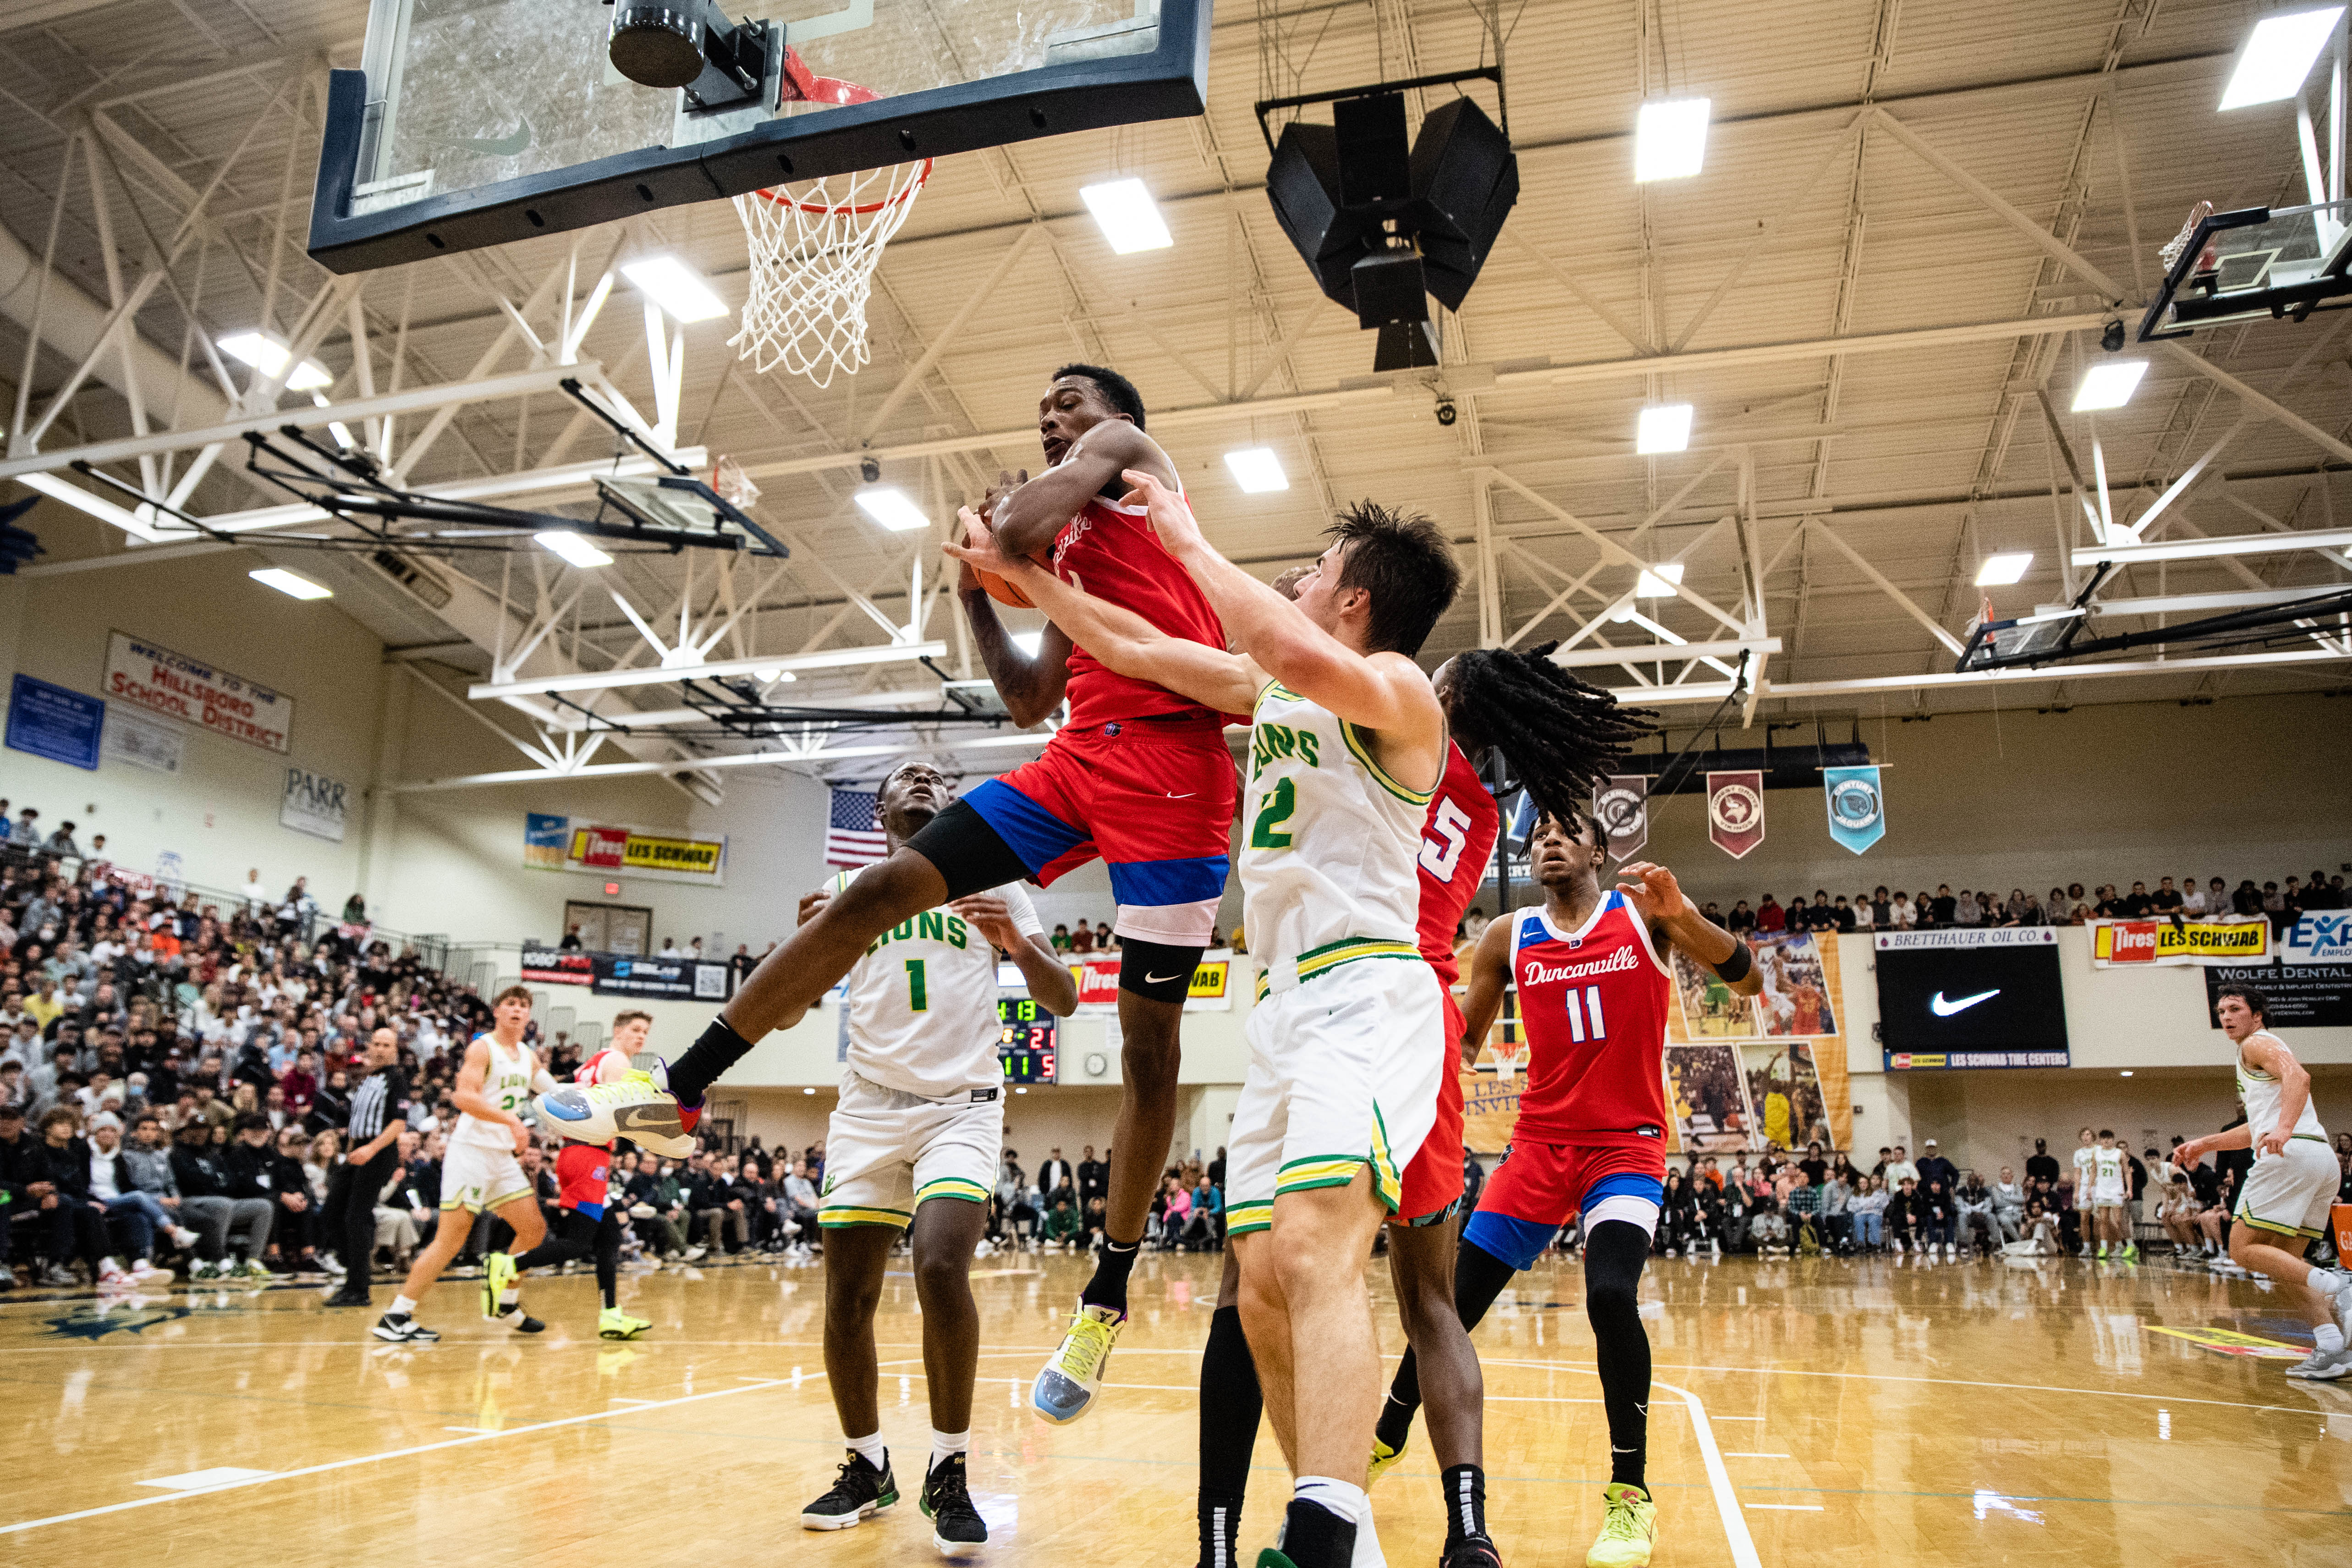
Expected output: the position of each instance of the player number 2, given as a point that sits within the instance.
(1582, 1006)
(918, 996)
(1274, 812)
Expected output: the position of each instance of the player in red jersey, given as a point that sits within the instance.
(1591, 969)
(1139, 775)
(590, 1223)
(1561, 736)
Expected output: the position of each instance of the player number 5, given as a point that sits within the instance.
(1452, 825)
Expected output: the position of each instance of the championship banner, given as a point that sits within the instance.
(1735, 811)
(551, 843)
(1622, 806)
(2137, 944)
(147, 674)
(1857, 810)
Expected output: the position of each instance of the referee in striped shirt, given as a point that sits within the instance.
(371, 1151)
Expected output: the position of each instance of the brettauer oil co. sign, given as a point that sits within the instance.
(147, 674)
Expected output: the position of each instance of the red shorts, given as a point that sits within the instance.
(1539, 1187)
(1432, 1182)
(1153, 797)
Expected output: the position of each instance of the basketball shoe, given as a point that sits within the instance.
(1628, 1529)
(612, 1323)
(638, 1106)
(1064, 1388)
(859, 1490)
(956, 1529)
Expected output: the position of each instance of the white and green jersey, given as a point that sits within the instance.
(508, 1083)
(2108, 1178)
(2259, 1093)
(2086, 1159)
(922, 1001)
(1329, 841)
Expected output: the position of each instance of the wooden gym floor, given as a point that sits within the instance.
(1807, 1411)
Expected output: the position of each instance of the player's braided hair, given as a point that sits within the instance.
(1557, 735)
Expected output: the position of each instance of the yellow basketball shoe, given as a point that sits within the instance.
(499, 1271)
(1627, 1532)
(1064, 1388)
(1384, 1458)
(612, 1323)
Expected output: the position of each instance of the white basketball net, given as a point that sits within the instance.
(814, 250)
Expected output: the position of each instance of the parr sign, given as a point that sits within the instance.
(147, 675)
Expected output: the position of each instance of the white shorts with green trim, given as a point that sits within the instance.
(473, 1178)
(887, 1152)
(2289, 1194)
(1344, 1072)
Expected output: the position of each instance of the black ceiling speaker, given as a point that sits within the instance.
(1382, 224)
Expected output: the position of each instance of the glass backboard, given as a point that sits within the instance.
(473, 122)
(2255, 264)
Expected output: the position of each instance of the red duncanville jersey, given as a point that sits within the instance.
(581, 1170)
(1593, 1004)
(1455, 840)
(1112, 553)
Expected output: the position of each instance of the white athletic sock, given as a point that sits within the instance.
(402, 1306)
(2325, 1281)
(871, 1448)
(2329, 1338)
(1349, 1502)
(510, 1300)
(946, 1443)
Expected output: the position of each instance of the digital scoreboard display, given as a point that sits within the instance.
(1025, 1044)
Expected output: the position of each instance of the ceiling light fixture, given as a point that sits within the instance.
(268, 355)
(1258, 469)
(572, 548)
(676, 287)
(889, 506)
(2000, 571)
(2109, 385)
(1664, 427)
(288, 583)
(1670, 139)
(1128, 216)
(2277, 55)
(1658, 581)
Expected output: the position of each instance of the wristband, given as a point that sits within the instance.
(1735, 968)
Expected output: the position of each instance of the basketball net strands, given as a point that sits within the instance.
(815, 246)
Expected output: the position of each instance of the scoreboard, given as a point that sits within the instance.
(1026, 1043)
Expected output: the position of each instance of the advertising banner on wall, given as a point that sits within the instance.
(1211, 990)
(2318, 936)
(551, 843)
(551, 966)
(1857, 810)
(1971, 997)
(55, 722)
(1735, 811)
(2301, 995)
(144, 743)
(2139, 944)
(147, 675)
(314, 803)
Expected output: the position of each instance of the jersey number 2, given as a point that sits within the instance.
(1452, 825)
(1583, 1007)
(918, 996)
(1274, 812)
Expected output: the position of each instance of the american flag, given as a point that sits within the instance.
(852, 835)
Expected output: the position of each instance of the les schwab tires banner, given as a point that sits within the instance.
(2136, 944)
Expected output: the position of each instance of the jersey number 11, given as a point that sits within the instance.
(1582, 1006)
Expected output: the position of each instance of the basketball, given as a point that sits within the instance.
(1004, 593)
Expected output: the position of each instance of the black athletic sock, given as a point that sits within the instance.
(1613, 1256)
(1113, 1264)
(1315, 1537)
(1231, 1404)
(1465, 1503)
(1478, 1277)
(1402, 1404)
(706, 1060)
(571, 1236)
(608, 1258)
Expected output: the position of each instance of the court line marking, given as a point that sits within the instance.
(1731, 1456)
(360, 1459)
(1789, 1507)
(1727, 1501)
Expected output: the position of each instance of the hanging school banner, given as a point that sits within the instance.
(147, 675)
(2139, 944)
(314, 803)
(551, 843)
(1735, 811)
(1622, 805)
(1857, 810)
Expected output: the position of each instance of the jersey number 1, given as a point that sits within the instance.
(1582, 1007)
(918, 996)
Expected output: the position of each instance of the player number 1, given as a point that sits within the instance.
(1577, 1010)
(918, 997)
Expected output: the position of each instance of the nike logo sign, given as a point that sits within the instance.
(1159, 979)
(1186, 795)
(1942, 1008)
(646, 1118)
(498, 147)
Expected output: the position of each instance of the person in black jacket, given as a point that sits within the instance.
(255, 1173)
(202, 1172)
(73, 1224)
(16, 1205)
(1905, 1213)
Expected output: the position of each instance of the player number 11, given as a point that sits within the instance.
(1579, 1007)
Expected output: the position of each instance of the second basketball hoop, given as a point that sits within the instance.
(814, 247)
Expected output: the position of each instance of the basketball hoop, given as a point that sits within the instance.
(814, 247)
(732, 485)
